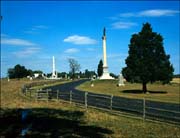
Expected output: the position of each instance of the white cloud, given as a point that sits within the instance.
(80, 40)
(26, 52)
(150, 13)
(36, 29)
(71, 50)
(123, 25)
(16, 42)
(157, 13)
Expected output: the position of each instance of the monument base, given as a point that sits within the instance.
(105, 75)
(121, 85)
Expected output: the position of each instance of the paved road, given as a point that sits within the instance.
(67, 87)
(166, 111)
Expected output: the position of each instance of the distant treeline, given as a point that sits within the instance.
(176, 76)
(19, 71)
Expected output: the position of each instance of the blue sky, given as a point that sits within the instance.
(32, 32)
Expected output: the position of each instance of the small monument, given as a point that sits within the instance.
(120, 80)
(54, 73)
(105, 75)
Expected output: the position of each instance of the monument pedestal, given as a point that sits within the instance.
(105, 75)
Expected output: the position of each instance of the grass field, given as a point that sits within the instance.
(53, 119)
(157, 91)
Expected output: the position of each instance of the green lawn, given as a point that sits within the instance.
(157, 91)
(58, 118)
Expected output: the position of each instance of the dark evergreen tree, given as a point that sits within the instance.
(100, 68)
(147, 60)
(11, 73)
(113, 75)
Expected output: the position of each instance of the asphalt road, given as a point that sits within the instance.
(159, 110)
(67, 87)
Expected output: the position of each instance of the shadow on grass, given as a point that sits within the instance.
(141, 92)
(48, 123)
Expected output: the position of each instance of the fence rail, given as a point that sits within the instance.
(145, 108)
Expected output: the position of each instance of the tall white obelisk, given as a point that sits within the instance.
(54, 74)
(105, 74)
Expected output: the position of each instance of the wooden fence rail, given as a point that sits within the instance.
(112, 103)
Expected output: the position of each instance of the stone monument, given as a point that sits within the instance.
(105, 75)
(120, 79)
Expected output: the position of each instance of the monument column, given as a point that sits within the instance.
(53, 71)
(105, 74)
(104, 49)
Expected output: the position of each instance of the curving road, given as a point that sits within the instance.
(153, 110)
(67, 87)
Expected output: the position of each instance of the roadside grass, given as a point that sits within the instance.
(59, 118)
(176, 80)
(156, 91)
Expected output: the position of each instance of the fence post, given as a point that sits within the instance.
(111, 102)
(86, 93)
(47, 94)
(57, 94)
(37, 94)
(144, 109)
(25, 91)
(70, 97)
(30, 93)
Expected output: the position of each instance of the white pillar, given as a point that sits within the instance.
(105, 74)
(104, 52)
(53, 72)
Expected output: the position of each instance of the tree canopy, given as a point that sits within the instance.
(147, 60)
(18, 72)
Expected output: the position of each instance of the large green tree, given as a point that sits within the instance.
(147, 60)
(100, 68)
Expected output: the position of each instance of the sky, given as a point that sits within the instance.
(34, 31)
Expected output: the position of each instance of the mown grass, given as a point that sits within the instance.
(53, 119)
(156, 91)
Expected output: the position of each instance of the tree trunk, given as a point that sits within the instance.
(144, 87)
